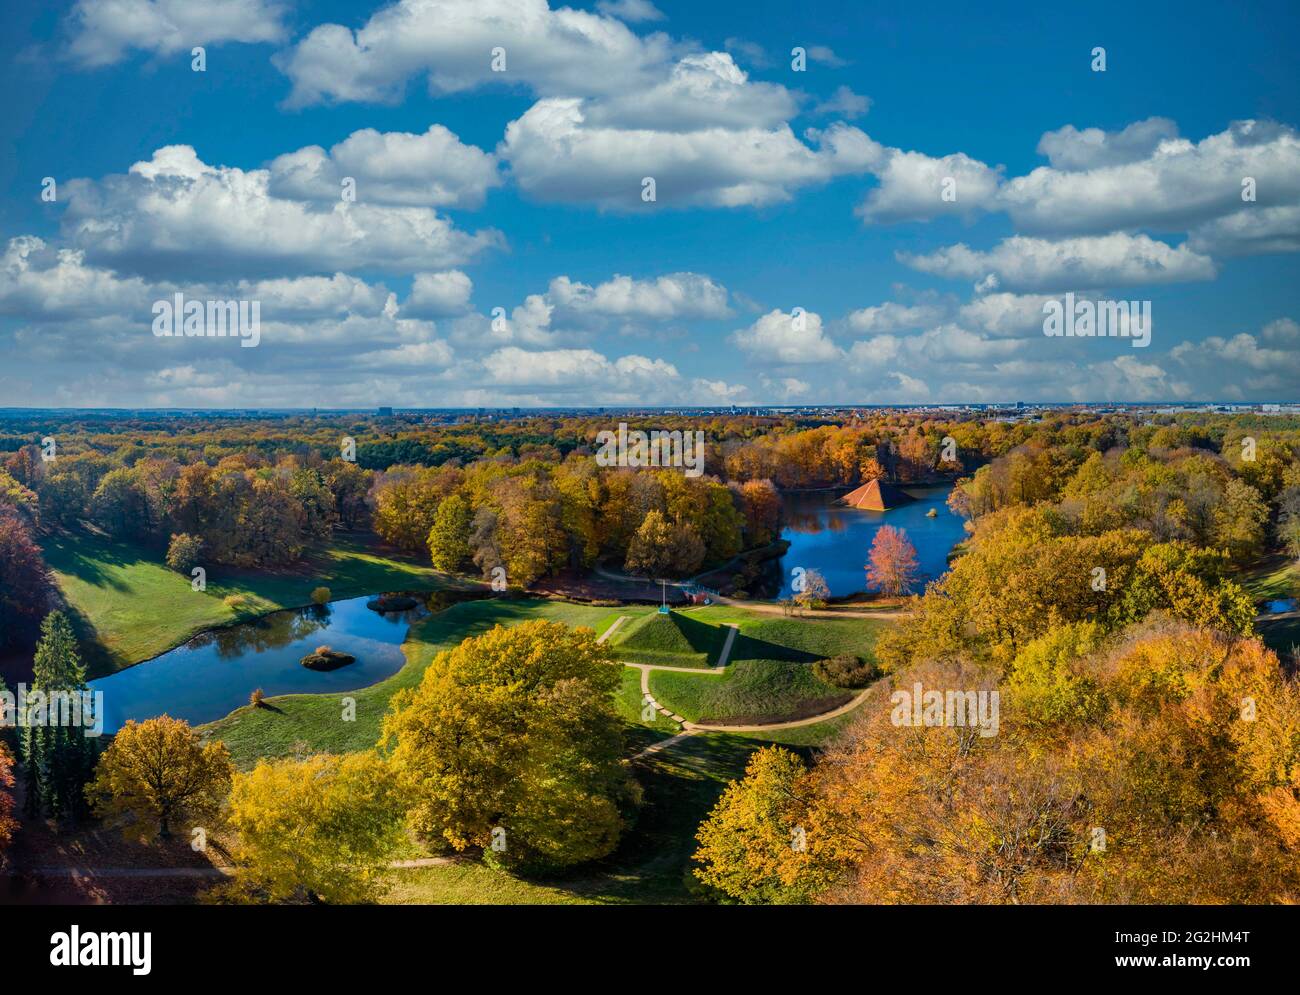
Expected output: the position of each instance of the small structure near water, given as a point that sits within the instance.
(876, 495)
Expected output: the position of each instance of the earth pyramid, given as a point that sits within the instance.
(876, 495)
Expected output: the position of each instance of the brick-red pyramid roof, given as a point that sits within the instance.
(876, 495)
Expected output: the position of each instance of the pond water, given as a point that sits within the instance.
(834, 539)
(215, 672)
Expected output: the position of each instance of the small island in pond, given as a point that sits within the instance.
(324, 658)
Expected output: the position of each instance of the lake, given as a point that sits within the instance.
(834, 539)
(215, 672)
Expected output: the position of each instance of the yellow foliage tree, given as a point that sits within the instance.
(511, 739)
(753, 846)
(323, 828)
(160, 772)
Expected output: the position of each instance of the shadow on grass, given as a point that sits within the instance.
(94, 654)
(84, 557)
(748, 648)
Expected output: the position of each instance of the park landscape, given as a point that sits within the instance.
(648, 453)
(680, 734)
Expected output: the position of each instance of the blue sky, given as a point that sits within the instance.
(820, 190)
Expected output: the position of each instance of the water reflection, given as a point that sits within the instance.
(274, 631)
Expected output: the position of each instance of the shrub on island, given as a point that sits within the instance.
(324, 658)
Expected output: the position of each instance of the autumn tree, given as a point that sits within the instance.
(63, 498)
(7, 822)
(869, 469)
(1239, 521)
(1288, 521)
(269, 529)
(753, 844)
(194, 503)
(892, 565)
(580, 489)
(1180, 743)
(18, 500)
(528, 533)
(513, 732)
(662, 547)
(814, 592)
(321, 829)
(184, 552)
(160, 772)
(405, 501)
(315, 499)
(24, 581)
(1189, 583)
(118, 504)
(449, 534)
(349, 484)
(760, 502)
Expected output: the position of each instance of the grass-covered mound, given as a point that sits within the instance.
(772, 670)
(673, 640)
(806, 639)
(749, 693)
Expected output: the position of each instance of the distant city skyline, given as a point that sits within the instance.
(463, 204)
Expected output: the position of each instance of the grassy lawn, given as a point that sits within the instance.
(314, 722)
(803, 638)
(128, 606)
